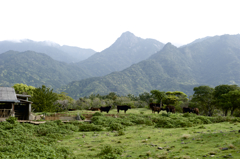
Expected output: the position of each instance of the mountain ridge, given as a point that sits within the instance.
(68, 54)
(125, 51)
(212, 62)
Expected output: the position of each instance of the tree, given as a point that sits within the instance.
(158, 95)
(232, 100)
(43, 99)
(132, 97)
(21, 88)
(204, 97)
(96, 102)
(175, 97)
(220, 99)
(63, 96)
(147, 97)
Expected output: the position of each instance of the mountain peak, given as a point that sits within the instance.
(169, 45)
(128, 33)
(127, 38)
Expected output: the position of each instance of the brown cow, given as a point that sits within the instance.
(156, 109)
(151, 105)
(94, 109)
(170, 108)
(195, 110)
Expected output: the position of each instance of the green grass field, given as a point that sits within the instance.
(219, 140)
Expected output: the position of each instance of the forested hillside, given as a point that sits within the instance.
(212, 61)
(68, 54)
(36, 69)
(125, 51)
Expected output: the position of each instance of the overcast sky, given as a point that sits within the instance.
(96, 24)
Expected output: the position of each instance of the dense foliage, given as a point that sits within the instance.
(222, 97)
(23, 89)
(43, 99)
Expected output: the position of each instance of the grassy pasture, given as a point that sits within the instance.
(142, 141)
(112, 111)
(146, 141)
(136, 134)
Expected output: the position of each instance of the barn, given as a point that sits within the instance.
(12, 104)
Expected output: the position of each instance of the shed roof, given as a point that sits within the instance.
(7, 94)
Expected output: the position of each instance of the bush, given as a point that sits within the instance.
(120, 132)
(97, 114)
(11, 120)
(164, 123)
(205, 120)
(166, 114)
(90, 127)
(115, 126)
(108, 152)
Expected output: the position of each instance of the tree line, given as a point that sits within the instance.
(222, 99)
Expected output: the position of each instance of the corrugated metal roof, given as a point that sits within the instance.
(22, 95)
(7, 94)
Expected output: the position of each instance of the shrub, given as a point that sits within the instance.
(115, 126)
(90, 127)
(108, 152)
(69, 127)
(11, 120)
(205, 120)
(97, 114)
(164, 123)
(120, 133)
(166, 114)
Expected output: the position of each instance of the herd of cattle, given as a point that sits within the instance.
(107, 108)
(154, 106)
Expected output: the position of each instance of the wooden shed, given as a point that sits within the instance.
(7, 100)
(12, 104)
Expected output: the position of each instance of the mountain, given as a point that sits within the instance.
(215, 60)
(212, 61)
(125, 51)
(36, 69)
(63, 53)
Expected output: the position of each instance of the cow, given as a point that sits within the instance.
(123, 107)
(156, 109)
(94, 109)
(170, 108)
(151, 105)
(195, 110)
(105, 109)
(187, 110)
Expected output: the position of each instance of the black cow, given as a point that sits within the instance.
(105, 109)
(123, 107)
(187, 110)
(156, 109)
